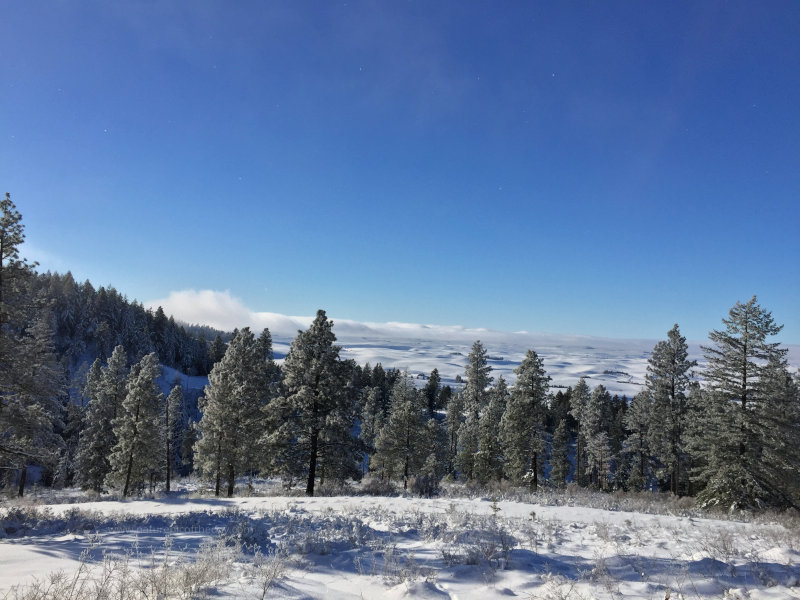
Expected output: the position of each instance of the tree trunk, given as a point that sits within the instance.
(218, 469)
(22, 477)
(128, 475)
(169, 470)
(534, 470)
(231, 480)
(312, 464)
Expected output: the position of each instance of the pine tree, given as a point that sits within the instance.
(453, 422)
(668, 378)
(579, 401)
(15, 275)
(475, 398)
(637, 447)
(559, 455)
(233, 404)
(594, 429)
(37, 407)
(489, 459)
(313, 400)
(741, 415)
(340, 452)
(522, 427)
(136, 458)
(431, 391)
(105, 390)
(216, 350)
(172, 411)
(401, 448)
(371, 421)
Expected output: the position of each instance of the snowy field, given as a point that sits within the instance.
(555, 546)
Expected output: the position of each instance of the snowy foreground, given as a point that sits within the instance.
(391, 547)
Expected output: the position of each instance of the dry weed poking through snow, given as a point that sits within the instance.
(391, 547)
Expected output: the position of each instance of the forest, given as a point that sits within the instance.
(81, 405)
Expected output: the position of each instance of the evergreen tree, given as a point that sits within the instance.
(579, 401)
(594, 428)
(92, 464)
(559, 455)
(401, 448)
(475, 397)
(313, 400)
(745, 420)
(522, 427)
(233, 405)
(431, 392)
(16, 415)
(340, 452)
(36, 407)
(453, 422)
(136, 458)
(668, 378)
(172, 410)
(637, 447)
(105, 390)
(489, 460)
(371, 421)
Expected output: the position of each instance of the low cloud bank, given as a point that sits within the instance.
(222, 310)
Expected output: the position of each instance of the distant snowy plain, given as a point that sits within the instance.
(619, 364)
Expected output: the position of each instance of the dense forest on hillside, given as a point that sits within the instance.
(80, 405)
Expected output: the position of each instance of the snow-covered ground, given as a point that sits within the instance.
(554, 547)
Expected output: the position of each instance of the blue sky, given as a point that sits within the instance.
(590, 168)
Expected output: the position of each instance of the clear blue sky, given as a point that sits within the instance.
(594, 168)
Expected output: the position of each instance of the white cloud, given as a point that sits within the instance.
(206, 307)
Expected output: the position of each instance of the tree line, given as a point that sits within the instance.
(728, 433)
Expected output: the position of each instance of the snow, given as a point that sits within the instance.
(405, 547)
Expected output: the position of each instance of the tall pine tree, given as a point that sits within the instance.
(136, 457)
(314, 401)
(668, 378)
(522, 427)
(475, 398)
(745, 418)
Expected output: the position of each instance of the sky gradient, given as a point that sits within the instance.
(584, 168)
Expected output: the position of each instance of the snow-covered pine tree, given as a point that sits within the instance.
(233, 405)
(401, 448)
(341, 454)
(216, 350)
(559, 455)
(92, 466)
(453, 421)
(172, 431)
(431, 391)
(36, 407)
(475, 398)
(105, 390)
(637, 448)
(371, 421)
(522, 426)
(489, 460)
(779, 425)
(314, 393)
(743, 421)
(15, 275)
(594, 428)
(579, 401)
(136, 459)
(667, 381)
